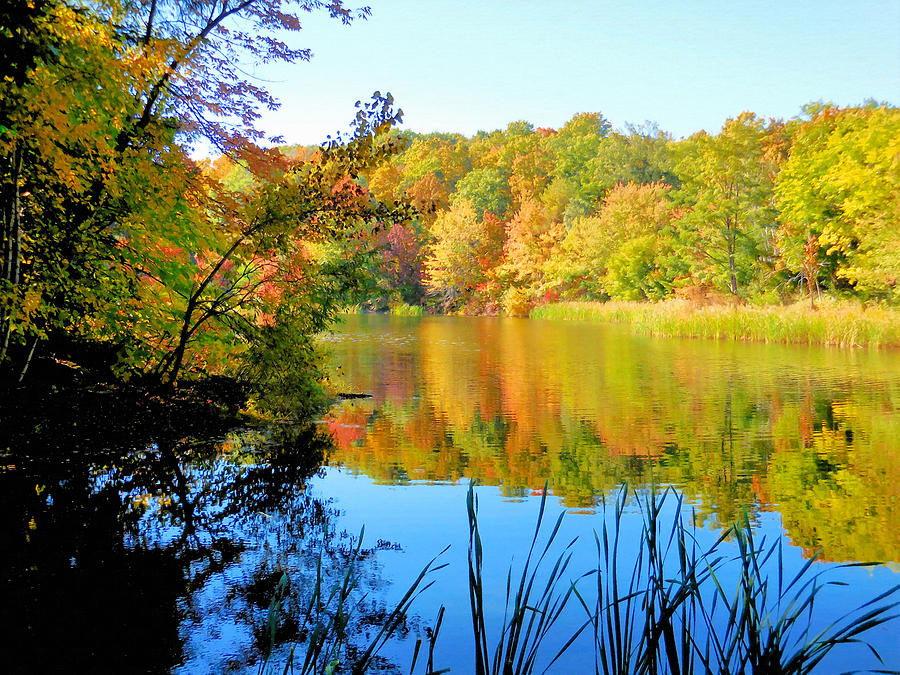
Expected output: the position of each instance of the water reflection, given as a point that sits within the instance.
(809, 432)
(162, 553)
(157, 551)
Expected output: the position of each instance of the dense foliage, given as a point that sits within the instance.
(762, 211)
(114, 237)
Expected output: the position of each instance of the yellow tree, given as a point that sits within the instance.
(464, 250)
(839, 198)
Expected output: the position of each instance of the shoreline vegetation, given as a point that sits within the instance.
(676, 607)
(832, 324)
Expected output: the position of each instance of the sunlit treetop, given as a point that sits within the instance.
(193, 57)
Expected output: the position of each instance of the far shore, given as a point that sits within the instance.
(832, 323)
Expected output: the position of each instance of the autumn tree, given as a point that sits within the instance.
(278, 239)
(428, 195)
(531, 237)
(727, 190)
(837, 194)
(529, 175)
(84, 163)
(445, 156)
(465, 247)
(63, 176)
(615, 252)
(402, 257)
(384, 181)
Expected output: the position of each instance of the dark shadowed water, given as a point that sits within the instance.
(162, 553)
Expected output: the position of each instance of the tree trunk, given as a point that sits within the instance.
(731, 263)
(183, 338)
(27, 363)
(11, 248)
(187, 330)
(810, 268)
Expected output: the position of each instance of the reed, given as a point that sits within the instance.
(767, 620)
(329, 610)
(645, 609)
(403, 309)
(666, 611)
(532, 607)
(842, 324)
(673, 614)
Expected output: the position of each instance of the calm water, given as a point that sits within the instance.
(806, 441)
(162, 553)
(811, 434)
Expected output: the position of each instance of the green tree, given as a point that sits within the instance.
(640, 155)
(575, 146)
(613, 253)
(727, 188)
(487, 190)
(577, 143)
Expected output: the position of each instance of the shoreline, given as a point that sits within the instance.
(61, 407)
(845, 325)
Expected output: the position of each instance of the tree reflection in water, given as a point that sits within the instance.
(166, 557)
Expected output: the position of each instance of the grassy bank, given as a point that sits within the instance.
(407, 310)
(400, 309)
(837, 324)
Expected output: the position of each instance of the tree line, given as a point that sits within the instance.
(763, 210)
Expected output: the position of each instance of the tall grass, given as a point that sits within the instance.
(672, 612)
(767, 619)
(668, 610)
(838, 324)
(645, 608)
(328, 612)
(403, 309)
(531, 610)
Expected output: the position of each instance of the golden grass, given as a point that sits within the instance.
(842, 324)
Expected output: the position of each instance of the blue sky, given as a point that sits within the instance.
(464, 66)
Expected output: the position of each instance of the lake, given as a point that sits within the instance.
(164, 554)
(804, 440)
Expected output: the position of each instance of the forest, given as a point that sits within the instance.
(762, 211)
(124, 252)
